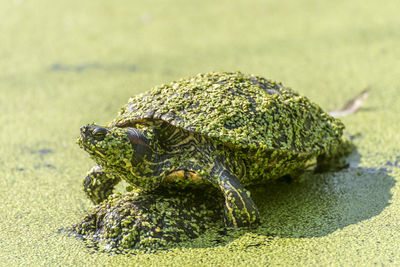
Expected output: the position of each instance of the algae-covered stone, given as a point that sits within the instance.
(149, 221)
(228, 129)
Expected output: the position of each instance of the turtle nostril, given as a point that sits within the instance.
(85, 130)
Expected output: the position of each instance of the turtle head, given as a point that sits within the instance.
(124, 151)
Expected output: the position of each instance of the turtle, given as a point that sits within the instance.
(229, 129)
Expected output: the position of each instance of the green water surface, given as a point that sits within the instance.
(67, 63)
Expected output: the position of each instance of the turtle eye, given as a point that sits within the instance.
(99, 133)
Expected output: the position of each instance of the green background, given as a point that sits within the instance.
(67, 63)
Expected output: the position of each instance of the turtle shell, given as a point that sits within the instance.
(245, 111)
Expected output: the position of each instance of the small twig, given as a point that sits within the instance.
(351, 106)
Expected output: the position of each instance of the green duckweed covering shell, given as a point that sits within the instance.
(246, 111)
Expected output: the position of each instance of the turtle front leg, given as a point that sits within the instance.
(99, 184)
(240, 210)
